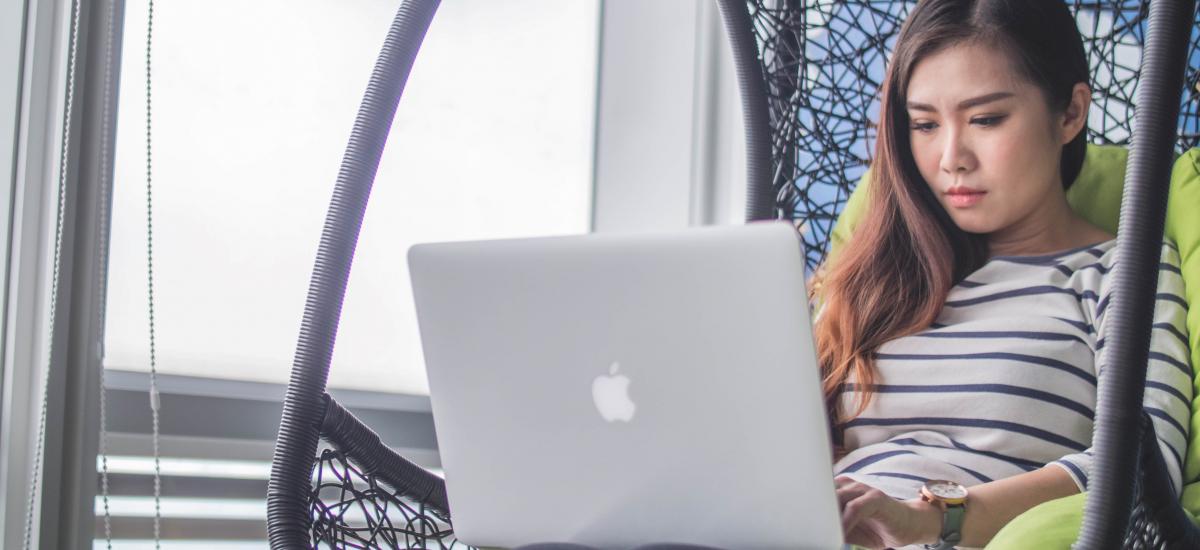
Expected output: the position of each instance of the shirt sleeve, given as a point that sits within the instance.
(1168, 392)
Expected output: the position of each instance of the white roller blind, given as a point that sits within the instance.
(253, 105)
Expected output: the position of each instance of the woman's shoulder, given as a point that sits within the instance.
(1081, 268)
(1102, 258)
(1104, 247)
(1066, 260)
(1169, 270)
(1168, 253)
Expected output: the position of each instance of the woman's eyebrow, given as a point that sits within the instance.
(964, 104)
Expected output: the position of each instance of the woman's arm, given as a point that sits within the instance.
(873, 519)
(991, 506)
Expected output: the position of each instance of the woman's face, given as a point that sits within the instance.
(984, 138)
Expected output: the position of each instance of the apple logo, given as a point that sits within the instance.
(611, 395)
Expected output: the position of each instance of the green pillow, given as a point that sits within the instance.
(1183, 227)
(1096, 195)
(1052, 524)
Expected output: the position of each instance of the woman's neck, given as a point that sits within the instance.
(1048, 229)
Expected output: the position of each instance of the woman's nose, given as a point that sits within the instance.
(956, 155)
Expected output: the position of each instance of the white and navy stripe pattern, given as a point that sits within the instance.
(1005, 381)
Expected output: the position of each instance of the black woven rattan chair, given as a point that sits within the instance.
(809, 73)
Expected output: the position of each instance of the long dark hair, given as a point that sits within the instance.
(893, 276)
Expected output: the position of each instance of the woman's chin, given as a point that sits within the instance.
(971, 224)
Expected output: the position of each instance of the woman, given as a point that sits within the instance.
(960, 334)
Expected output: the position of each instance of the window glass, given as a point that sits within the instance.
(253, 103)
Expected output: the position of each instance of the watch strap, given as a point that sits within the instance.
(952, 520)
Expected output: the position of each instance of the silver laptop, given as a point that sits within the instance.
(623, 389)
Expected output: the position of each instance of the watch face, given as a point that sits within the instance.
(948, 490)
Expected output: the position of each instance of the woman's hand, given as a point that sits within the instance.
(872, 519)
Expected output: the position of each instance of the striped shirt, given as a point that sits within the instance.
(1004, 382)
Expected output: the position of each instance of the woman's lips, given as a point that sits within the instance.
(964, 198)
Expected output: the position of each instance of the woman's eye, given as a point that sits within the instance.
(988, 121)
(923, 126)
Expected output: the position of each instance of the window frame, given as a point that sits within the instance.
(63, 503)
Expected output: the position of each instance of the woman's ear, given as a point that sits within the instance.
(1074, 119)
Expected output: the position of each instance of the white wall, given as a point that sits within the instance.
(669, 148)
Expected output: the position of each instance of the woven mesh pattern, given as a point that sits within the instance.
(824, 65)
(354, 510)
(1157, 522)
(1143, 533)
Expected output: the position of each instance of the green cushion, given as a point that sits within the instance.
(1050, 525)
(1183, 227)
(1053, 524)
(1096, 195)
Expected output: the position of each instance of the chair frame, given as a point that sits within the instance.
(772, 81)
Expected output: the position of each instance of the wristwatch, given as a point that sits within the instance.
(952, 499)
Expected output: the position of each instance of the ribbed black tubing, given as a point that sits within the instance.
(288, 518)
(760, 197)
(363, 445)
(1139, 244)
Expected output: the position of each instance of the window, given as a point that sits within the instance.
(492, 139)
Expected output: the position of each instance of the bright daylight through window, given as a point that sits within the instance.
(493, 139)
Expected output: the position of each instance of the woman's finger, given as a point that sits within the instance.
(859, 508)
(849, 492)
(839, 481)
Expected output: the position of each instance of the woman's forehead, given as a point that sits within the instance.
(958, 74)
